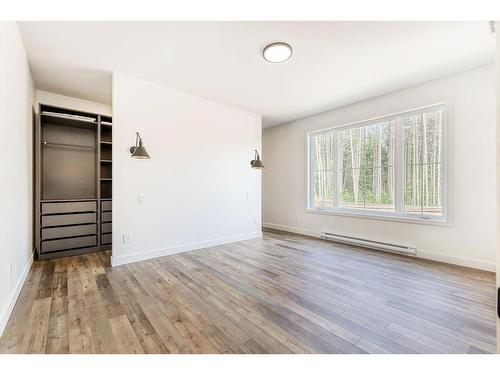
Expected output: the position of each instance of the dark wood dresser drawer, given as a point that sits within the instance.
(71, 231)
(68, 243)
(106, 239)
(68, 219)
(106, 205)
(106, 228)
(106, 217)
(66, 207)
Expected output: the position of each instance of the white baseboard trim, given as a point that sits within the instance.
(286, 228)
(14, 295)
(459, 261)
(445, 258)
(150, 254)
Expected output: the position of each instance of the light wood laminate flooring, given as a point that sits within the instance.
(282, 294)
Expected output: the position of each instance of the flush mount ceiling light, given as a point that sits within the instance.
(277, 52)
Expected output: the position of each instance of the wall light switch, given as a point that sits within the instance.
(126, 238)
(140, 199)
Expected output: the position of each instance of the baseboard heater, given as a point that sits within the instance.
(384, 246)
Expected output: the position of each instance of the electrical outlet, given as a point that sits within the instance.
(246, 195)
(140, 199)
(126, 238)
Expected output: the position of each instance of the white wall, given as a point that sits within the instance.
(470, 239)
(198, 187)
(70, 102)
(16, 103)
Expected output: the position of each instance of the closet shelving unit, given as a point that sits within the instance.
(106, 180)
(73, 186)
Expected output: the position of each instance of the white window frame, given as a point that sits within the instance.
(399, 215)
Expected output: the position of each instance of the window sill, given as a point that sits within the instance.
(376, 216)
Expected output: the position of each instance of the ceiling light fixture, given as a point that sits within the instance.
(277, 52)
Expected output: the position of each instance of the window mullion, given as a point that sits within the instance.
(399, 158)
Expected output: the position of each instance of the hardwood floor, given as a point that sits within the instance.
(282, 294)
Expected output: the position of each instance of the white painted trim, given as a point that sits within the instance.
(286, 228)
(363, 214)
(459, 261)
(14, 295)
(145, 255)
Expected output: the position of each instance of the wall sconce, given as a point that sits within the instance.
(139, 151)
(257, 163)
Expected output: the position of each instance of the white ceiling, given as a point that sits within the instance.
(334, 63)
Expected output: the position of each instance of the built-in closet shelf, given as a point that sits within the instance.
(106, 143)
(106, 161)
(67, 121)
(45, 143)
(67, 200)
(106, 179)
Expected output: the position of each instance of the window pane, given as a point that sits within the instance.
(413, 190)
(322, 151)
(351, 141)
(431, 189)
(423, 163)
(328, 190)
(367, 156)
(317, 196)
(412, 130)
(351, 156)
(351, 194)
(378, 189)
(432, 138)
(322, 189)
(379, 145)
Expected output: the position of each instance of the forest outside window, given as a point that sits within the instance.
(392, 166)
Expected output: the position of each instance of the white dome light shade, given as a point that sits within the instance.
(277, 52)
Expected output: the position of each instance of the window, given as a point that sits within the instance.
(390, 166)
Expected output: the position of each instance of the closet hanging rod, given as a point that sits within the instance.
(69, 116)
(67, 145)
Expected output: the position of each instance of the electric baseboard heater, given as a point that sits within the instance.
(384, 246)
